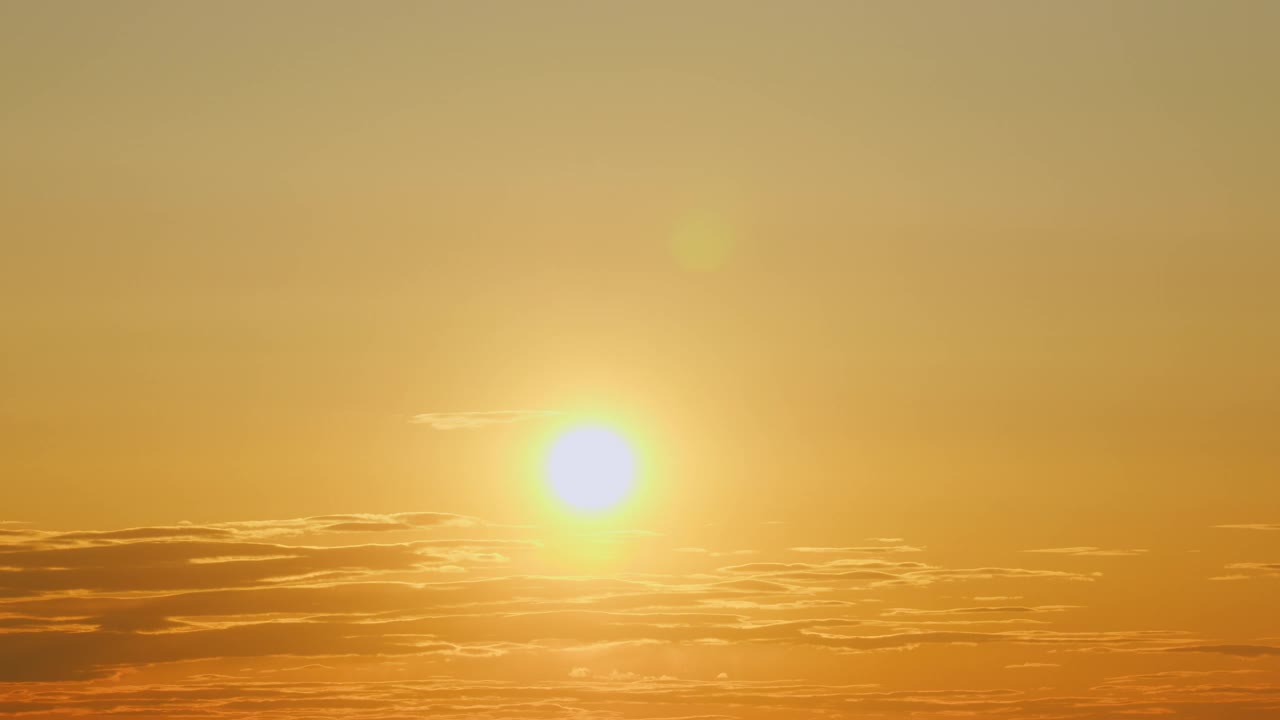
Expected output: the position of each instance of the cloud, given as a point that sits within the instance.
(1251, 651)
(1270, 567)
(288, 618)
(176, 565)
(1089, 552)
(1165, 676)
(145, 533)
(476, 420)
(434, 519)
(1028, 665)
(864, 549)
(930, 575)
(910, 612)
(766, 567)
(1254, 526)
(367, 527)
(622, 695)
(249, 530)
(1251, 570)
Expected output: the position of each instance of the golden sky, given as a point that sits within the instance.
(937, 345)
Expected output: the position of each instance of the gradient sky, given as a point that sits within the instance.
(945, 332)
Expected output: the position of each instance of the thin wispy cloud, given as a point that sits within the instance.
(1250, 570)
(1248, 651)
(1090, 551)
(866, 549)
(477, 420)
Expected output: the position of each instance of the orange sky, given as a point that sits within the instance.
(944, 335)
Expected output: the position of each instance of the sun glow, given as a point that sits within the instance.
(591, 468)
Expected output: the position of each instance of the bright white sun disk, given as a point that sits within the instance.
(591, 468)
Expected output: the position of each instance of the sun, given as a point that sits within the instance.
(591, 468)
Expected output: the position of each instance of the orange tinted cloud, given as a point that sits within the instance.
(222, 604)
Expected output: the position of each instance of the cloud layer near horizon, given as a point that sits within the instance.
(312, 617)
